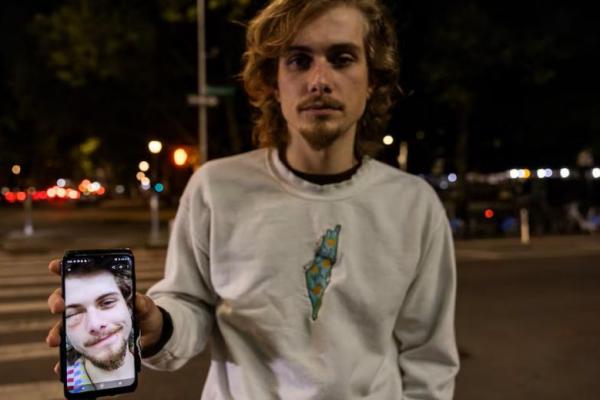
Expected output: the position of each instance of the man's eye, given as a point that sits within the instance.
(108, 303)
(72, 314)
(343, 59)
(299, 61)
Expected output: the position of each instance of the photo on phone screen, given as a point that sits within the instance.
(99, 327)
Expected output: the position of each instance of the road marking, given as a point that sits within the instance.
(27, 351)
(53, 279)
(25, 306)
(38, 271)
(44, 291)
(27, 325)
(41, 390)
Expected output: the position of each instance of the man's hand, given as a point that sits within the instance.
(149, 317)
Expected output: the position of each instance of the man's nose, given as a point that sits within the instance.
(95, 321)
(320, 78)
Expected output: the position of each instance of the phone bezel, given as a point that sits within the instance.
(95, 253)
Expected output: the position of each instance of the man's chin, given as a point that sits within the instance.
(112, 361)
(321, 137)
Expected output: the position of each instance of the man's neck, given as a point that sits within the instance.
(335, 159)
(101, 375)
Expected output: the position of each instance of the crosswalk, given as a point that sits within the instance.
(26, 361)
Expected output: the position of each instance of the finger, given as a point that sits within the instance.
(143, 304)
(57, 368)
(54, 266)
(53, 338)
(56, 303)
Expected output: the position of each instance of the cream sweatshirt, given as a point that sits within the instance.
(340, 291)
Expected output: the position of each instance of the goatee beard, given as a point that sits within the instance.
(320, 136)
(113, 362)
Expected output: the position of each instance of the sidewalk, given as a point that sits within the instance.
(539, 247)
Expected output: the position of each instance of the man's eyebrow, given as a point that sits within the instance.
(350, 47)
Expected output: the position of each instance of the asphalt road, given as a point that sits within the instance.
(527, 321)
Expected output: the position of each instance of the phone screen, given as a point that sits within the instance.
(99, 327)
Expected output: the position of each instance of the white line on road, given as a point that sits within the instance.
(42, 390)
(27, 325)
(24, 306)
(41, 271)
(52, 279)
(27, 351)
(44, 291)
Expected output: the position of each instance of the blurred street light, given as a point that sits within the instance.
(144, 166)
(180, 157)
(564, 172)
(388, 140)
(596, 173)
(154, 146)
(16, 169)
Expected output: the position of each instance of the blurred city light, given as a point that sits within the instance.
(549, 173)
(155, 146)
(541, 173)
(489, 213)
(140, 175)
(61, 182)
(514, 173)
(159, 187)
(388, 140)
(119, 189)
(145, 181)
(16, 169)
(180, 156)
(5, 190)
(596, 173)
(144, 166)
(564, 172)
(444, 185)
(452, 178)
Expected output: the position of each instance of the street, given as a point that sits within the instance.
(527, 321)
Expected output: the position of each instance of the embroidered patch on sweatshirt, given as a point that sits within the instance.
(318, 271)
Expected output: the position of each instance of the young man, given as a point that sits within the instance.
(317, 272)
(98, 328)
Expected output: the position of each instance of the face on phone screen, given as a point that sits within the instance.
(98, 323)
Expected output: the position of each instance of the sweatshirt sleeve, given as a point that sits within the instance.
(185, 292)
(428, 356)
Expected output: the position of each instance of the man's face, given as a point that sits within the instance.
(322, 79)
(97, 318)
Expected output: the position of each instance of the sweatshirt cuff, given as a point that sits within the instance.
(165, 335)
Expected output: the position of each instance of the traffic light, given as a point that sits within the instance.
(180, 156)
(184, 156)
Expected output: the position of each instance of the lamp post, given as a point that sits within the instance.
(27, 204)
(155, 147)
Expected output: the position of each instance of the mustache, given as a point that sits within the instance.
(100, 338)
(320, 102)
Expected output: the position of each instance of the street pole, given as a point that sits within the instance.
(524, 214)
(28, 228)
(155, 147)
(154, 206)
(202, 126)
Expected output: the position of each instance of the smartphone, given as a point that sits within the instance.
(99, 351)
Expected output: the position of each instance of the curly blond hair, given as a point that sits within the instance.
(274, 29)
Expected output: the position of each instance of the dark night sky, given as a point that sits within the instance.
(517, 118)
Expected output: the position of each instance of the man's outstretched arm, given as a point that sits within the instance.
(428, 357)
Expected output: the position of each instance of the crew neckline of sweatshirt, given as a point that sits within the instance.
(295, 185)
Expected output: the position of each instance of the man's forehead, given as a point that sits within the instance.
(336, 27)
(80, 289)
